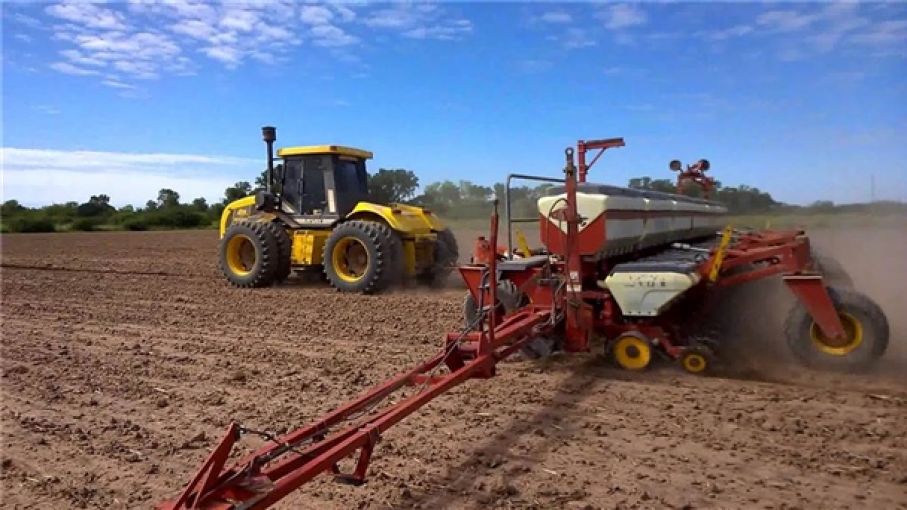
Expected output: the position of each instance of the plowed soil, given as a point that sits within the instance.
(125, 355)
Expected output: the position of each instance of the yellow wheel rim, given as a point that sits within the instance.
(632, 353)
(853, 336)
(240, 255)
(350, 259)
(694, 363)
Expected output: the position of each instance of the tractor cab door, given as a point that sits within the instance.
(305, 190)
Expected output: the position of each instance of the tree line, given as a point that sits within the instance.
(164, 212)
(455, 200)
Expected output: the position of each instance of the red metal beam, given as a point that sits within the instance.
(811, 291)
(266, 476)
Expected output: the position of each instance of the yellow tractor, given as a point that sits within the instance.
(314, 214)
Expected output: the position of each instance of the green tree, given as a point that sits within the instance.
(167, 198)
(10, 208)
(97, 205)
(390, 186)
(237, 191)
(200, 204)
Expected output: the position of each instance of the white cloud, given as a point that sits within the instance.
(23, 37)
(533, 65)
(331, 36)
(727, 33)
(885, 33)
(555, 17)
(147, 39)
(419, 21)
(27, 21)
(42, 176)
(786, 21)
(316, 15)
(47, 109)
(226, 54)
(87, 14)
(76, 57)
(239, 20)
(816, 29)
(622, 16)
(195, 28)
(575, 37)
(442, 32)
(110, 82)
(67, 68)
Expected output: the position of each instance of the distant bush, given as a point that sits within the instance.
(31, 225)
(176, 218)
(135, 224)
(85, 224)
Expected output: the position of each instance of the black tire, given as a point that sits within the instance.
(284, 245)
(509, 300)
(378, 243)
(832, 271)
(446, 255)
(807, 343)
(395, 263)
(248, 254)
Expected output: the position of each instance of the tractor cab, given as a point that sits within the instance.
(320, 184)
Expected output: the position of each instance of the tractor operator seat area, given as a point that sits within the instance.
(322, 183)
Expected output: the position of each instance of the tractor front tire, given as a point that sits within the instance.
(362, 256)
(248, 254)
(866, 331)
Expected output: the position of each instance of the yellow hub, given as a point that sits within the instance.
(853, 336)
(694, 362)
(350, 259)
(632, 352)
(240, 255)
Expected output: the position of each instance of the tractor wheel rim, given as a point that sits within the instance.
(350, 259)
(632, 353)
(853, 336)
(240, 255)
(694, 363)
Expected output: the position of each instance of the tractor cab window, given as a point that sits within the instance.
(291, 188)
(314, 198)
(350, 176)
(351, 183)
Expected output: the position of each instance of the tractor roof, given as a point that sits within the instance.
(324, 149)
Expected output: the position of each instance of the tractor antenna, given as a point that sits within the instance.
(269, 134)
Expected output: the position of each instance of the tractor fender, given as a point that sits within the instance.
(237, 209)
(408, 220)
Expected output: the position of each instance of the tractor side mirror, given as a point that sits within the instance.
(676, 165)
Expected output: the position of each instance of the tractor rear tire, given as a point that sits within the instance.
(248, 254)
(446, 254)
(864, 322)
(362, 256)
(284, 245)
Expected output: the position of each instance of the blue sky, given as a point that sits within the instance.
(803, 100)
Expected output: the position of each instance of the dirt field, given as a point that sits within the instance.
(125, 355)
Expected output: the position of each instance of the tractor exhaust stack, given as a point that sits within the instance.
(269, 134)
